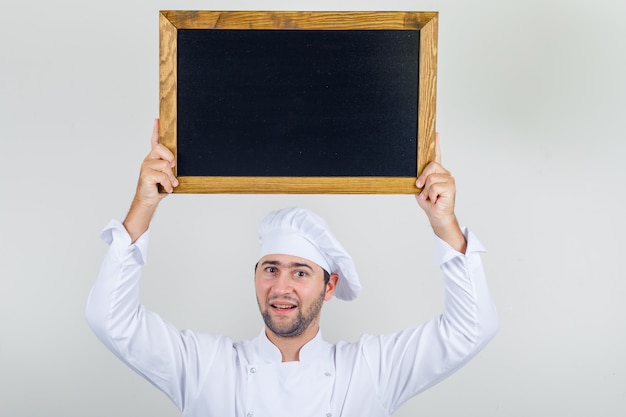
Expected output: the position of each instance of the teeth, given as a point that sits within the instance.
(282, 307)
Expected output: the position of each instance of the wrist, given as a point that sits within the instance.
(448, 230)
(138, 218)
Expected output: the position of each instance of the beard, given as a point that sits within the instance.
(297, 325)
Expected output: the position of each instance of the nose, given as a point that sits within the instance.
(282, 284)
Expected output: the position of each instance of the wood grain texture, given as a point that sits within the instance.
(297, 185)
(167, 83)
(204, 19)
(427, 104)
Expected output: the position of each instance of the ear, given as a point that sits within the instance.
(331, 286)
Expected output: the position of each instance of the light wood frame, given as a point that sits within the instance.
(425, 22)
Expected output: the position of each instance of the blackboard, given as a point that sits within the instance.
(298, 102)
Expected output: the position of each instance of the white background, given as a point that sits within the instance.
(531, 109)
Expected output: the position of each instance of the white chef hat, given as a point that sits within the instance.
(298, 232)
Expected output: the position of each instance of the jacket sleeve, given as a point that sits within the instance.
(154, 348)
(408, 362)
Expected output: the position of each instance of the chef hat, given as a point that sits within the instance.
(298, 232)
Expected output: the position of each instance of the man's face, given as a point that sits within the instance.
(290, 292)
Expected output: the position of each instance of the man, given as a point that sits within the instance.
(289, 370)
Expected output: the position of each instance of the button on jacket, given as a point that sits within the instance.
(209, 375)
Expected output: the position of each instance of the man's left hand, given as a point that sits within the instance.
(437, 200)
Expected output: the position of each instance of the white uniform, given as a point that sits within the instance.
(209, 375)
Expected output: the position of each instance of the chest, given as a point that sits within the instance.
(290, 388)
(334, 384)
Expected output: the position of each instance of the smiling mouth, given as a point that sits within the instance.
(283, 306)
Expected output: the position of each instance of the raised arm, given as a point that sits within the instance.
(156, 169)
(437, 201)
(407, 362)
(148, 344)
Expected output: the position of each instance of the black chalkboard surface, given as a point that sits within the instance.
(308, 106)
(297, 103)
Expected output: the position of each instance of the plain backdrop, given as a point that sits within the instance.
(531, 110)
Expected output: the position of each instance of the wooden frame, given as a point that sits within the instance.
(425, 22)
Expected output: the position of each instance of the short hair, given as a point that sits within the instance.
(326, 276)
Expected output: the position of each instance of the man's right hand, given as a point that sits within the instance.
(156, 169)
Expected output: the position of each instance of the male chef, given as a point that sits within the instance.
(289, 369)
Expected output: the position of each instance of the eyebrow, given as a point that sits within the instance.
(289, 265)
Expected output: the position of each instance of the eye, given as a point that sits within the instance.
(301, 274)
(270, 270)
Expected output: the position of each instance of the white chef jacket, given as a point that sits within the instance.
(209, 375)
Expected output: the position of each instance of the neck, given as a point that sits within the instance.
(290, 346)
